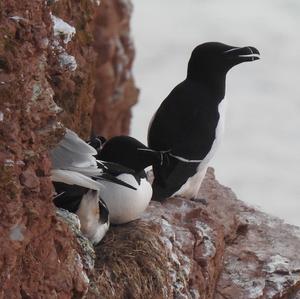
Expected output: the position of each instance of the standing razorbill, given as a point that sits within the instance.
(189, 123)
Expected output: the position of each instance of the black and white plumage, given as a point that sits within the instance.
(189, 123)
(88, 206)
(73, 162)
(131, 158)
(77, 178)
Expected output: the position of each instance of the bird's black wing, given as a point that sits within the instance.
(184, 123)
(110, 178)
(68, 196)
(111, 170)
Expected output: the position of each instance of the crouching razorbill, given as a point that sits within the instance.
(128, 158)
(189, 123)
(78, 179)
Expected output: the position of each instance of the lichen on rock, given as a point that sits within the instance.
(87, 250)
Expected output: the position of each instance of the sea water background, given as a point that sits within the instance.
(260, 155)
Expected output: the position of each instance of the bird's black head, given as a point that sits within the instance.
(216, 59)
(97, 142)
(129, 152)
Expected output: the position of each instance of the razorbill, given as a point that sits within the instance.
(189, 124)
(130, 158)
(77, 178)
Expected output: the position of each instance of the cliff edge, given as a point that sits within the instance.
(216, 248)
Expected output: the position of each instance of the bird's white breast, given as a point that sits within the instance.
(125, 204)
(191, 188)
(218, 135)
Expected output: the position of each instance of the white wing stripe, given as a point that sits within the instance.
(184, 159)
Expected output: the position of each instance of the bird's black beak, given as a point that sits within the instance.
(242, 54)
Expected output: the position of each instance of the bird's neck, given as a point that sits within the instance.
(215, 82)
(148, 157)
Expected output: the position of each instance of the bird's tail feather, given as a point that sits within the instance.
(74, 178)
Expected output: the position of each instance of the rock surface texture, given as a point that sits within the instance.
(99, 85)
(115, 91)
(48, 62)
(220, 249)
(38, 253)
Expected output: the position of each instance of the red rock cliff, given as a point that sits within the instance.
(115, 91)
(48, 61)
(38, 253)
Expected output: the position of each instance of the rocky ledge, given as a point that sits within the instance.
(215, 248)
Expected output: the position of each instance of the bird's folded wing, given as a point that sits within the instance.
(73, 152)
(64, 158)
(74, 178)
(74, 143)
(88, 171)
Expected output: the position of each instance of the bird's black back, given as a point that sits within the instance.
(192, 117)
(128, 152)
